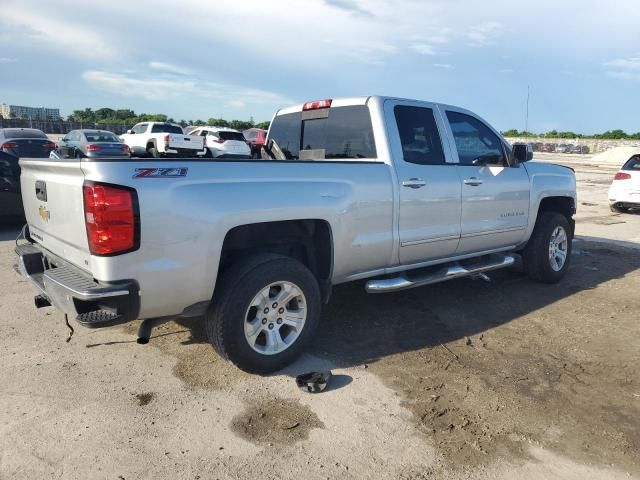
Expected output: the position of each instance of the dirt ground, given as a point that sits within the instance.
(466, 379)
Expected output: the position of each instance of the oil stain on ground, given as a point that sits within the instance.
(145, 398)
(275, 421)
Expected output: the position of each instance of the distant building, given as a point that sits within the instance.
(34, 113)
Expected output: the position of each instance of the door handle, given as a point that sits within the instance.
(414, 183)
(473, 181)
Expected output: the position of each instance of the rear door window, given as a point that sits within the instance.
(345, 133)
(476, 143)
(419, 135)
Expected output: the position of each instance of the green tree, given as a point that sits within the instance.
(263, 125)
(217, 122)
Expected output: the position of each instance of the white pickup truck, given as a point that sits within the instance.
(159, 139)
(403, 193)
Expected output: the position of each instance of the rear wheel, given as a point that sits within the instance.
(152, 151)
(616, 209)
(264, 312)
(547, 256)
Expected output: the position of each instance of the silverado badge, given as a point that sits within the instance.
(44, 213)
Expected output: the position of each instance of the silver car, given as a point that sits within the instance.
(91, 144)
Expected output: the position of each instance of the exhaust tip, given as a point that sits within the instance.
(142, 341)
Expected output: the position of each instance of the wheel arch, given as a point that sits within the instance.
(309, 241)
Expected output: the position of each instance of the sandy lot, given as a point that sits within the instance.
(460, 380)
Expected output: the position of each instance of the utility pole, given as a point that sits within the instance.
(526, 118)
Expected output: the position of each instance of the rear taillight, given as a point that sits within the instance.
(9, 145)
(167, 138)
(317, 104)
(49, 145)
(125, 148)
(112, 218)
(622, 176)
(93, 148)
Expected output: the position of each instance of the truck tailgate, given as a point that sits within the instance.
(53, 205)
(186, 141)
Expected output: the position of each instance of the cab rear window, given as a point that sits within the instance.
(345, 133)
(166, 128)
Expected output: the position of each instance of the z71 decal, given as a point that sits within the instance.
(151, 172)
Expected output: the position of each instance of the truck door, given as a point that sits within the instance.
(428, 183)
(495, 196)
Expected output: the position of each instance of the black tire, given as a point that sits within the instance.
(153, 151)
(535, 256)
(78, 154)
(617, 209)
(207, 154)
(234, 293)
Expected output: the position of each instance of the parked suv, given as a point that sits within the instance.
(220, 141)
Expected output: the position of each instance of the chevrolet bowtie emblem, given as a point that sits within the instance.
(44, 213)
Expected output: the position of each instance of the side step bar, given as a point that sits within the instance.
(449, 272)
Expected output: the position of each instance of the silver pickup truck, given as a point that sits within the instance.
(403, 193)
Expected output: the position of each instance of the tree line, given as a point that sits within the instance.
(110, 116)
(608, 135)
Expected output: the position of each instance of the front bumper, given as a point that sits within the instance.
(91, 303)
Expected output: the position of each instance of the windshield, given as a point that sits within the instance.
(101, 137)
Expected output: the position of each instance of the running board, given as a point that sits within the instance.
(455, 270)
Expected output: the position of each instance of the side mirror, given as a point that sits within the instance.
(130, 132)
(522, 152)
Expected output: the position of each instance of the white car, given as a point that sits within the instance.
(221, 141)
(624, 192)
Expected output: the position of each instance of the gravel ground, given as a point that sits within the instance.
(459, 380)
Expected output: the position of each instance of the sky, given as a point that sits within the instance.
(240, 59)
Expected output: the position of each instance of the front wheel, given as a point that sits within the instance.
(264, 312)
(547, 256)
(616, 209)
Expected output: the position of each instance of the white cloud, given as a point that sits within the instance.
(444, 66)
(169, 68)
(484, 34)
(7, 60)
(506, 70)
(163, 89)
(624, 68)
(629, 63)
(623, 75)
(34, 26)
(424, 49)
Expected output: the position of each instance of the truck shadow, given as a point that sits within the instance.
(359, 328)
